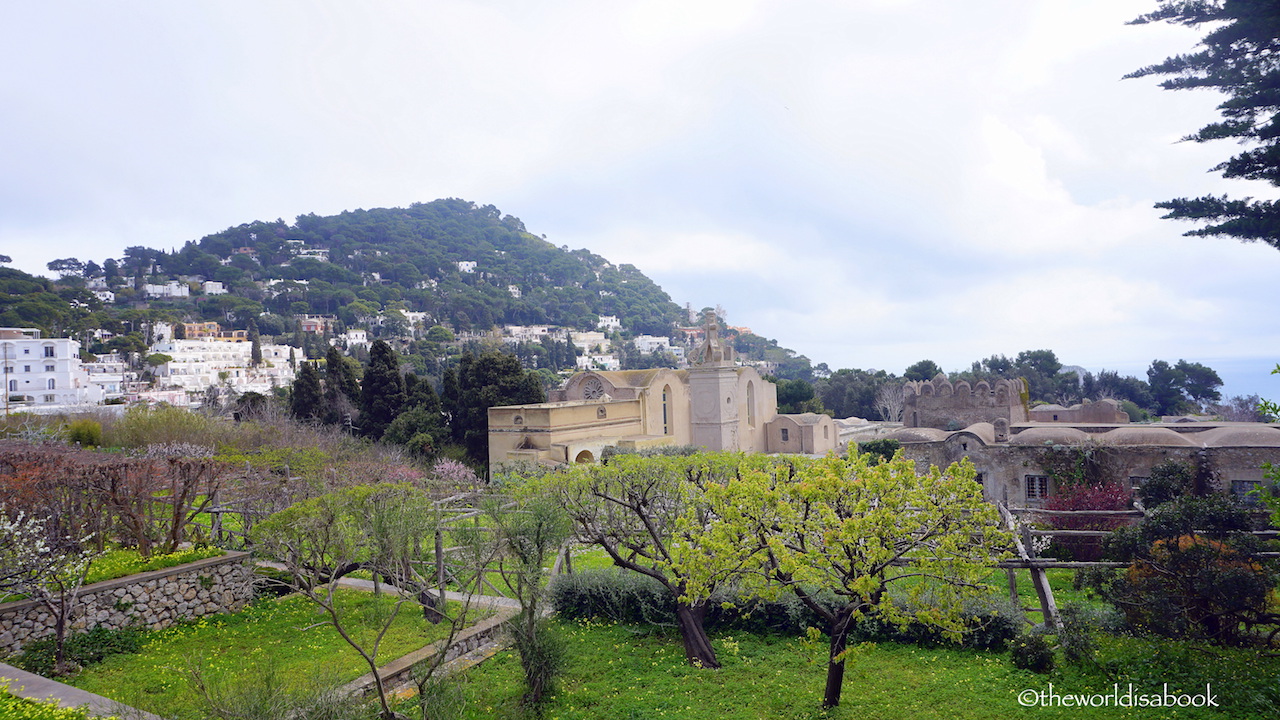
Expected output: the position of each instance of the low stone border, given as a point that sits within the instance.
(38, 687)
(154, 599)
(400, 671)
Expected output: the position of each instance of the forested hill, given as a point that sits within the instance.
(362, 261)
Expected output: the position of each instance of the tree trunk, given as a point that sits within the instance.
(697, 646)
(835, 665)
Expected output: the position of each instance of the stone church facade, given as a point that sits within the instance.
(715, 404)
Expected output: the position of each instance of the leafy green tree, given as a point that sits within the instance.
(306, 399)
(1200, 383)
(653, 516)
(372, 527)
(797, 396)
(528, 534)
(856, 527)
(851, 392)
(480, 382)
(923, 370)
(420, 427)
(66, 266)
(1236, 57)
(382, 393)
(1166, 383)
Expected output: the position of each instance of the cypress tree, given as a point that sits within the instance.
(255, 351)
(305, 401)
(382, 395)
(339, 376)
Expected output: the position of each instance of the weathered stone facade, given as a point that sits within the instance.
(1008, 457)
(154, 600)
(941, 404)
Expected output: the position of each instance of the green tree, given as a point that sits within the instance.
(420, 427)
(377, 528)
(255, 349)
(1166, 383)
(528, 534)
(480, 382)
(382, 393)
(797, 396)
(857, 527)
(1237, 58)
(306, 399)
(339, 377)
(923, 370)
(653, 516)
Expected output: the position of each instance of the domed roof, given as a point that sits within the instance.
(1240, 436)
(918, 435)
(1140, 435)
(984, 431)
(1049, 436)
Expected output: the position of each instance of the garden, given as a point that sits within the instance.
(699, 584)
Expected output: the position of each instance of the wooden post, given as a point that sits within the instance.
(1040, 581)
(441, 578)
(1013, 584)
(215, 525)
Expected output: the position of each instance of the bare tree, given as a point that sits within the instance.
(889, 402)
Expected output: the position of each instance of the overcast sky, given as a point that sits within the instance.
(870, 182)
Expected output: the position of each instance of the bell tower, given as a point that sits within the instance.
(713, 393)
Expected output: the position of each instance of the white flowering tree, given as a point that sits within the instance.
(48, 570)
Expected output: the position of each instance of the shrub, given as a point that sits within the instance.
(85, 432)
(1169, 480)
(1194, 573)
(1101, 496)
(1032, 652)
(82, 649)
(1075, 635)
(626, 597)
(992, 623)
(542, 657)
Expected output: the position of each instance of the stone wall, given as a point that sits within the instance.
(155, 599)
(944, 405)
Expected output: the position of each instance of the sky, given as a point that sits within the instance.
(869, 182)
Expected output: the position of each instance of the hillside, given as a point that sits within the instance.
(464, 265)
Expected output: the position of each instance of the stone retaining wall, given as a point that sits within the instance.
(154, 600)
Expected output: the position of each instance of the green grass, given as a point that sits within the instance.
(123, 562)
(619, 672)
(288, 635)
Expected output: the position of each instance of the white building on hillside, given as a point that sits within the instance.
(109, 372)
(200, 364)
(43, 374)
(648, 343)
(173, 288)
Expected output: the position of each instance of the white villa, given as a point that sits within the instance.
(44, 374)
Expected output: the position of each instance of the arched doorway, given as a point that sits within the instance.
(585, 457)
